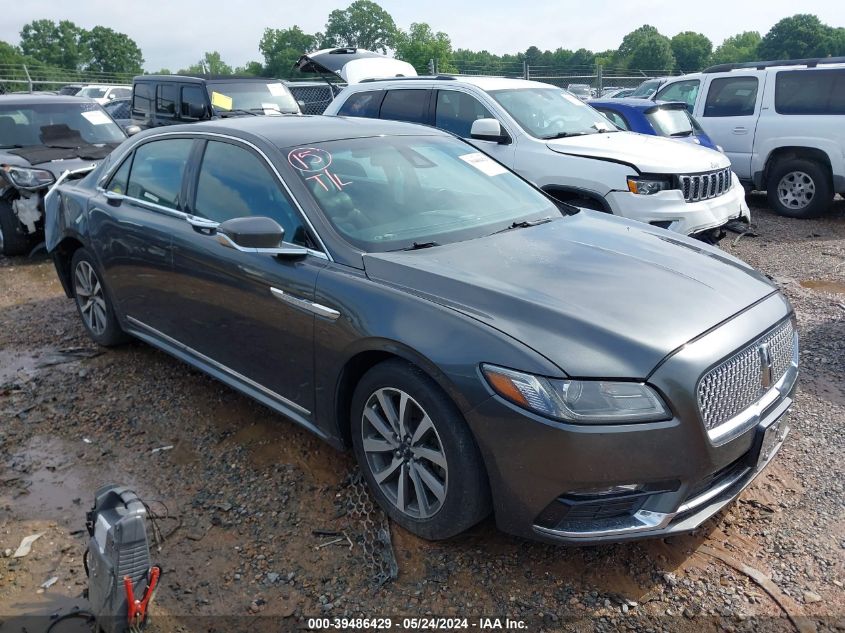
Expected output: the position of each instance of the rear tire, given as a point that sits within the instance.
(799, 188)
(13, 241)
(93, 302)
(423, 468)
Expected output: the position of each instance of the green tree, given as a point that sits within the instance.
(420, 44)
(800, 36)
(691, 50)
(9, 54)
(362, 24)
(737, 48)
(61, 44)
(645, 49)
(282, 47)
(251, 68)
(210, 64)
(582, 57)
(113, 52)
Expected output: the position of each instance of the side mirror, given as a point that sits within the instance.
(489, 130)
(193, 110)
(257, 235)
(131, 130)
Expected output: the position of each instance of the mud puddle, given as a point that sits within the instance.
(16, 364)
(824, 285)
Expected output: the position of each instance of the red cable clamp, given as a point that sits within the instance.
(137, 609)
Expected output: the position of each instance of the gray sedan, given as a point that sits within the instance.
(478, 346)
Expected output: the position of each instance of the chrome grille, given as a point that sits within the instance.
(735, 384)
(705, 186)
(312, 99)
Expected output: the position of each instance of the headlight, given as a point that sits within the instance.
(579, 401)
(27, 178)
(648, 186)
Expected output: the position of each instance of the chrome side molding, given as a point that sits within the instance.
(303, 304)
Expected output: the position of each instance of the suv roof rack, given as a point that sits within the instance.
(423, 77)
(809, 63)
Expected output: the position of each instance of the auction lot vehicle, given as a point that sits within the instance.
(353, 65)
(102, 94)
(661, 118)
(582, 91)
(566, 148)
(478, 344)
(170, 99)
(782, 123)
(41, 137)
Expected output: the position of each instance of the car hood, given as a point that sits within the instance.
(64, 161)
(649, 154)
(597, 296)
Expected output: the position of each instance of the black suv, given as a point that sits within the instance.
(167, 99)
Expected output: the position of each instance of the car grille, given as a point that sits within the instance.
(735, 384)
(712, 184)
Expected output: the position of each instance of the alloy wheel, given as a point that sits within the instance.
(404, 453)
(796, 190)
(89, 296)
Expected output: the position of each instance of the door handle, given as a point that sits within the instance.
(740, 130)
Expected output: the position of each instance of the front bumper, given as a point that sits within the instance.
(668, 209)
(536, 465)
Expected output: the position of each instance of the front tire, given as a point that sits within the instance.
(93, 302)
(799, 188)
(417, 453)
(13, 241)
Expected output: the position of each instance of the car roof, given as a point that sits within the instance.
(634, 104)
(28, 99)
(198, 79)
(289, 130)
(484, 83)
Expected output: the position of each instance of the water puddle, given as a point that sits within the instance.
(23, 364)
(824, 285)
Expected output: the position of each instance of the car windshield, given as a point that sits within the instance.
(551, 112)
(56, 124)
(581, 90)
(398, 192)
(646, 89)
(92, 93)
(670, 121)
(252, 96)
(69, 90)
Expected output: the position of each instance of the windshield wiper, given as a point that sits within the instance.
(563, 135)
(236, 111)
(523, 224)
(681, 134)
(418, 245)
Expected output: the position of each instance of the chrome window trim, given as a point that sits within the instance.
(220, 366)
(203, 134)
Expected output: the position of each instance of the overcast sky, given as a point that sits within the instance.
(175, 34)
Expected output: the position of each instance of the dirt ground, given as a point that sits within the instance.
(250, 494)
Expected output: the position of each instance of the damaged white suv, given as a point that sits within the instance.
(566, 147)
(41, 138)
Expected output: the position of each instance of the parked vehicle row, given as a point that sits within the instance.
(782, 124)
(479, 345)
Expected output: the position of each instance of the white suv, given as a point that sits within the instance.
(566, 148)
(782, 124)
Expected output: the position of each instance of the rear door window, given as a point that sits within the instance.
(810, 92)
(166, 96)
(456, 112)
(157, 170)
(731, 96)
(364, 104)
(406, 105)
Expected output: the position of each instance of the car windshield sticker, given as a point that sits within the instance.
(484, 164)
(97, 117)
(276, 89)
(219, 100)
(314, 163)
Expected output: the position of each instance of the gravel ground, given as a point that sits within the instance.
(250, 489)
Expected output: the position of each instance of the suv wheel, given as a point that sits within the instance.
(92, 301)
(416, 452)
(799, 188)
(12, 240)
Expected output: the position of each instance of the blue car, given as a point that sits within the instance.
(658, 118)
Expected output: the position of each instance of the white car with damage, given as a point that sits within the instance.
(566, 147)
